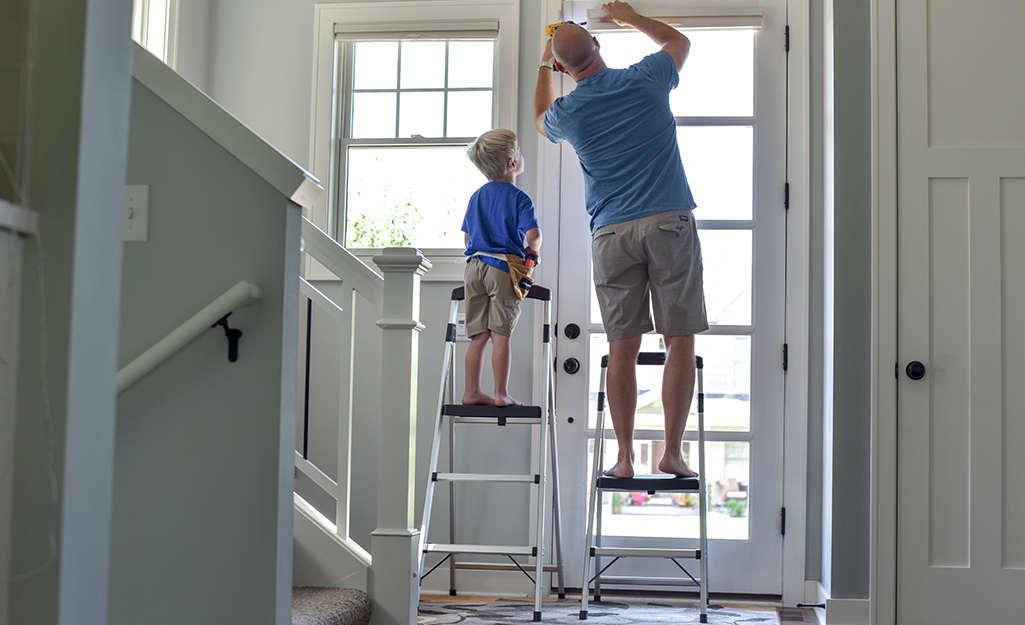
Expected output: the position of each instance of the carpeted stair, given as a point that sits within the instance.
(315, 605)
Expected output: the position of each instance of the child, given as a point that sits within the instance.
(499, 220)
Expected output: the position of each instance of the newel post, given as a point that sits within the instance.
(393, 582)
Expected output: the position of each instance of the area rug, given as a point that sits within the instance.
(607, 612)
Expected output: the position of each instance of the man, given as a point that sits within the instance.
(643, 238)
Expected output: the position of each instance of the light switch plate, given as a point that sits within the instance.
(137, 212)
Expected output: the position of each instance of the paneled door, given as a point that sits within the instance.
(730, 112)
(961, 312)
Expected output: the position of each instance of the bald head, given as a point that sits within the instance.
(573, 47)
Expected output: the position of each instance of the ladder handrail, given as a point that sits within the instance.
(343, 263)
(237, 296)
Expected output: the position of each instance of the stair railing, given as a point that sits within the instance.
(211, 315)
(397, 296)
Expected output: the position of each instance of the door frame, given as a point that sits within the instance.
(883, 557)
(795, 432)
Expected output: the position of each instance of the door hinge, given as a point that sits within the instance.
(785, 357)
(786, 38)
(786, 196)
(783, 521)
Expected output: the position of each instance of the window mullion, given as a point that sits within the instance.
(444, 107)
(398, 88)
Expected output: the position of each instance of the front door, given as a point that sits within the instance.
(731, 114)
(961, 313)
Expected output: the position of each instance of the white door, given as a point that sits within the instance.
(961, 311)
(731, 114)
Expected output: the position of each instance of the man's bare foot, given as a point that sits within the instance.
(675, 466)
(507, 400)
(620, 469)
(478, 399)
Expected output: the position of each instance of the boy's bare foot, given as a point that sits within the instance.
(620, 469)
(675, 466)
(507, 400)
(478, 399)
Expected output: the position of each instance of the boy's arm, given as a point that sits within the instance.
(533, 239)
(671, 40)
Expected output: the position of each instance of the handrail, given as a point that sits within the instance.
(18, 219)
(239, 295)
(343, 263)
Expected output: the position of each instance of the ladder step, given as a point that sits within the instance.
(650, 483)
(499, 550)
(646, 553)
(492, 412)
(484, 566)
(646, 581)
(486, 477)
(500, 421)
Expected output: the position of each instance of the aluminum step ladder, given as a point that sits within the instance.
(543, 417)
(650, 484)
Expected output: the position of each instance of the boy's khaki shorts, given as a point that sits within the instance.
(656, 257)
(491, 302)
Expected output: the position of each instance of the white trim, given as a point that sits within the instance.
(883, 556)
(459, 15)
(264, 159)
(18, 219)
(795, 432)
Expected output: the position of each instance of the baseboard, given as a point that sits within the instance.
(837, 611)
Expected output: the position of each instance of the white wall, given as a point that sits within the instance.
(199, 516)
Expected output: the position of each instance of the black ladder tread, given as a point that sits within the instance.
(509, 412)
(649, 483)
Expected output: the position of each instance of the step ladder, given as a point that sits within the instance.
(650, 484)
(543, 417)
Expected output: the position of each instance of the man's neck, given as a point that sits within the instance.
(596, 65)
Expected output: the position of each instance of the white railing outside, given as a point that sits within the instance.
(397, 295)
(237, 296)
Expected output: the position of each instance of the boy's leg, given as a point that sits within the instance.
(501, 361)
(472, 395)
(677, 391)
(621, 380)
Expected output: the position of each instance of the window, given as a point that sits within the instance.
(408, 113)
(400, 90)
(155, 27)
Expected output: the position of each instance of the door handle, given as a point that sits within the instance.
(915, 370)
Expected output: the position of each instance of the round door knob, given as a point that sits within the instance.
(571, 365)
(572, 331)
(915, 370)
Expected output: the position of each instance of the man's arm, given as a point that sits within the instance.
(671, 40)
(544, 93)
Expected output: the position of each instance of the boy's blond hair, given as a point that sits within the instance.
(492, 151)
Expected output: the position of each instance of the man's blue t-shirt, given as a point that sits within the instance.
(624, 133)
(497, 217)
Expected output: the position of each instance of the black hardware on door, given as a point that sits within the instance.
(233, 335)
(571, 366)
(915, 370)
(572, 331)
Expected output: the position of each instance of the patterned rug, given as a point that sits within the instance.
(620, 611)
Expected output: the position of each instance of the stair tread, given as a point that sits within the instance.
(318, 605)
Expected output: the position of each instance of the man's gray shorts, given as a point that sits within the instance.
(656, 257)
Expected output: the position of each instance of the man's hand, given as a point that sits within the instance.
(619, 12)
(548, 56)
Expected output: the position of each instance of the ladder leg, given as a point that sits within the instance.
(451, 508)
(556, 500)
(599, 448)
(703, 497)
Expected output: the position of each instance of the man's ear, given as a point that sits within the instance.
(559, 67)
(597, 46)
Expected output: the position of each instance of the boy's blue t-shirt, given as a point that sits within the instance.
(497, 217)
(621, 126)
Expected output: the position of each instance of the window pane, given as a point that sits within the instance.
(719, 161)
(421, 114)
(469, 113)
(727, 379)
(373, 115)
(375, 64)
(717, 79)
(408, 196)
(726, 255)
(471, 64)
(423, 65)
(675, 515)
(622, 49)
